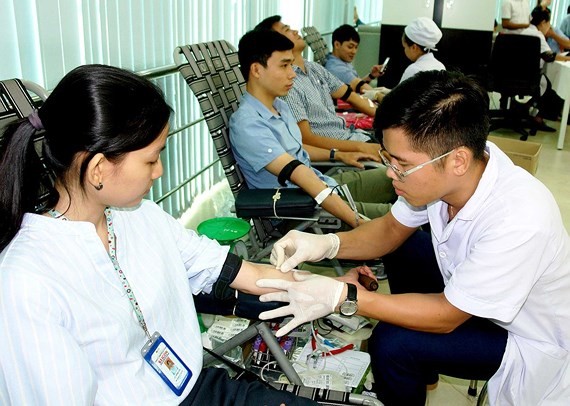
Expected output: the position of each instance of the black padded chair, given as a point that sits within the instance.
(515, 71)
(315, 40)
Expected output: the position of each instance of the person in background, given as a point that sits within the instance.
(356, 18)
(487, 295)
(565, 24)
(266, 140)
(515, 15)
(345, 41)
(85, 283)
(549, 104)
(311, 100)
(419, 41)
(556, 39)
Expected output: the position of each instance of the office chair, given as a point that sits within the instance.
(318, 45)
(515, 71)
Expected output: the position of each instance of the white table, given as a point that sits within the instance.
(559, 74)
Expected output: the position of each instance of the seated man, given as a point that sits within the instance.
(565, 25)
(345, 41)
(311, 103)
(267, 144)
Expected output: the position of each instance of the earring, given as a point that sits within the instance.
(99, 186)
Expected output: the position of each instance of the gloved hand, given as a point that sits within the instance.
(383, 90)
(297, 247)
(371, 94)
(311, 297)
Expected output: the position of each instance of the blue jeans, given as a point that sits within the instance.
(404, 361)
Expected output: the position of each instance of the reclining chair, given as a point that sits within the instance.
(515, 71)
(212, 71)
(318, 45)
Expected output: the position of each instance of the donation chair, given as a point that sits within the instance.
(211, 70)
(515, 71)
(317, 44)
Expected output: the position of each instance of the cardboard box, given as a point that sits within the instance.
(523, 153)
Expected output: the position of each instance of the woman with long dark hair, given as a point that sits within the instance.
(96, 288)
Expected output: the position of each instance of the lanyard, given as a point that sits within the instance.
(113, 256)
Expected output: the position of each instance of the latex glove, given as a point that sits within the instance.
(370, 94)
(383, 90)
(311, 297)
(297, 247)
(374, 95)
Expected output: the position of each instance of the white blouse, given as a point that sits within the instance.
(68, 332)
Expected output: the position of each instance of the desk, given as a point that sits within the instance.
(559, 74)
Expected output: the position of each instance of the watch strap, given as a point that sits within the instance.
(332, 154)
(351, 293)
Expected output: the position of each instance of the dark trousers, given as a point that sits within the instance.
(215, 388)
(405, 361)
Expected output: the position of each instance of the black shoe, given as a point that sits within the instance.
(545, 128)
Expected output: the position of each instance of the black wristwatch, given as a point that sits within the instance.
(332, 154)
(350, 305)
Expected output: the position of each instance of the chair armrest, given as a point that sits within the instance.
(293, 202)
(325, 164)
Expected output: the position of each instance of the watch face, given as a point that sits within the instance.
(348, 308)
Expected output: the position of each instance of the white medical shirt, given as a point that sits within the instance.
(517, 11)
(68, 333)
(423, 63)
(506, 257)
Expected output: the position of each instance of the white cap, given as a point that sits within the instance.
(424, 32)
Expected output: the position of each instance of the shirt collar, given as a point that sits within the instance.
(260, 108)
(485, 186)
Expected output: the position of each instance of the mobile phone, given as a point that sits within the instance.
(385, 64)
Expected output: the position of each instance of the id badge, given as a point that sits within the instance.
(166, 363)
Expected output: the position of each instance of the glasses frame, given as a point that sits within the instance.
(402, 175)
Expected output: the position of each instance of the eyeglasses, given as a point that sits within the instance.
(386, 158)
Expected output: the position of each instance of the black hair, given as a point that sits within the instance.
(93, 109)
(539, 15)
(568, 11)
(345, 33)
(438, 111)
(268, 23)
(408, 41)
(257, 46)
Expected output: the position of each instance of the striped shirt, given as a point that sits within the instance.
(68, 332)
(310, 99)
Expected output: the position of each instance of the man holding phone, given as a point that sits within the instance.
(345, 41)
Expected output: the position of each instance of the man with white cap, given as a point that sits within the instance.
(419, 40)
